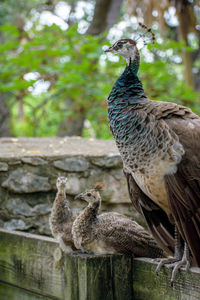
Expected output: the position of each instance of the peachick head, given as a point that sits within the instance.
(61, 183)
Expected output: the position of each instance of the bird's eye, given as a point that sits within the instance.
(120, 44)
(89, 194)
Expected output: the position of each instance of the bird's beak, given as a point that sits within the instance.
(110, 49)
(79, 197)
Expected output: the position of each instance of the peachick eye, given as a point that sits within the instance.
(89, 194)
(120, 44)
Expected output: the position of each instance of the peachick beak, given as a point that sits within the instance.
(79, 197)
(110, 49)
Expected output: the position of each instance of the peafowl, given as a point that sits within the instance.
(61, 218)
(159, 143)
(110, 232)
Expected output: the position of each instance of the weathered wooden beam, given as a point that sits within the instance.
(149, 286)
(27, 261)
(33, 267)
(36, 263)
(10, 292)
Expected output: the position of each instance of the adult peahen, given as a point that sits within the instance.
(159, 143)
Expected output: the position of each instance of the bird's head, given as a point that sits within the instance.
(127, 48)
(92, 195)
(61, 183)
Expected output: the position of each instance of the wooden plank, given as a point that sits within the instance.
(98, 277)
(35, 264)
(122, 277)
(147, 285)
(9, 292)
(29, 261)
(94, 275)
(71, 285)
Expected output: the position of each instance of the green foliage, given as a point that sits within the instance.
(163, 77)
(68, 61)
(12, 11)
(71, 64)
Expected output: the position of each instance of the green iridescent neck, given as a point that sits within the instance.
(128, 88)
(133, 66)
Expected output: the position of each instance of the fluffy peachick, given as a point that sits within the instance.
(110, 232)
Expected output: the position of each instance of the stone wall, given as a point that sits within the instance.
(28, 173)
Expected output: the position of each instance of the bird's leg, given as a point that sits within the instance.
(177, 253)
(185, 261)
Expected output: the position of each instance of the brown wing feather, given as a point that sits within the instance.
(184, 186)
(126, 236)
(160, 226)
(169, 110)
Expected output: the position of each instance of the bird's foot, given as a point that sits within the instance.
(82, 250)
(157, 259)
(184, 262)
(166, 261)
(176, 263)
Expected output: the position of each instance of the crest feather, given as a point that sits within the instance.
(144, 35)
(98, 186)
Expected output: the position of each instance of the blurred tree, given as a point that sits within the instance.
(187, 23)
(4, 111)
(106, 14)
(54, 77)
(4, 116)
(16, 13)
(186, 15)
(64, 62)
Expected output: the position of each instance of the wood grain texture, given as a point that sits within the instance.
(36, 264)
(33, 267)
(148, 285)
(29, 262)
(14, 293)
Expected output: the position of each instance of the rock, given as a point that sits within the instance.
(19, 207)
(21, 181)
(14, 162)
(118, 174)
(16, 224)
(3, 167)
(35, 161)
(115, 190)
(73, 186)
(72, 164)
(42, 225)
(41, 209)
(28, 189)
(108, 162)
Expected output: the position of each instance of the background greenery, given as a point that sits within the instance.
(55, 79)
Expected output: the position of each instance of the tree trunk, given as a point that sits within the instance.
(106, 13)
(196, 56)
(4, 116)
(186, 19)
(72, 125)
(4, 110)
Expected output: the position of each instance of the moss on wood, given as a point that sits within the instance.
(33, 267)
(148, 285)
